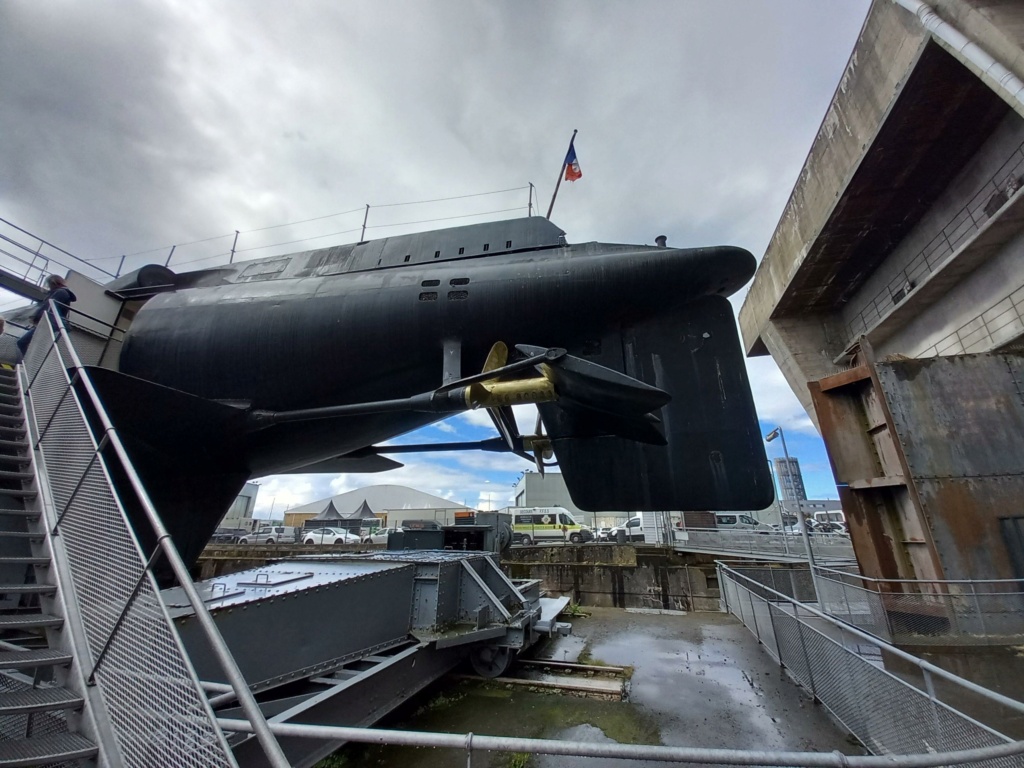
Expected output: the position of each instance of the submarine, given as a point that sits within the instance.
(312, 361)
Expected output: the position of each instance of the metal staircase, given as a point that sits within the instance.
(42, 715)
(92, 670)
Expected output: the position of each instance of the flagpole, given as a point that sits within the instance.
(561, 173)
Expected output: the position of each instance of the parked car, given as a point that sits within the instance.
(228, 535)
(731, 521)
(830, 527)
(329, 536)
(632, 530)
(271, 534)
(380, 536)
(603, 534)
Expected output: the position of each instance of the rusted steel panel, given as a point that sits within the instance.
(960, 426)
(964, 517)
(847, 434)
(844, 378)
(958, 416)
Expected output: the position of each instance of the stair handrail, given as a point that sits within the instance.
(165, 544)
(37, 252)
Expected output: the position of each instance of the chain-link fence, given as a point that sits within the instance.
(893, 702)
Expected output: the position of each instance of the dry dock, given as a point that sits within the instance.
(698, 680)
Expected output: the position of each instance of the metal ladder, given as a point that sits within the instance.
(42, 710)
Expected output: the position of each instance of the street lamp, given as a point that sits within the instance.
(778, 433)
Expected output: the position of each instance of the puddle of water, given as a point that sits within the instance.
(563, 648)
(699, 680)
(470, 706)
(585, 732)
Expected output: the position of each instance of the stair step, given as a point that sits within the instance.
(14, 420)
(43, 657)
(8, 475)
(29, 620)
(37, 700)
(20, 494)
(27, 589)
(12, 458)
(13, 444)
(46, 749)
(21, 535)
(27, 513)
(24, 561)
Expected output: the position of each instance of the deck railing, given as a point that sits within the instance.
(826, 546)
(987, 199)
(923, 612)
(894, 702)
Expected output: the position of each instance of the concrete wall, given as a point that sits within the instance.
(996, 287)
(974, 184)
(886, 51)
(997, 23)
(620, 577)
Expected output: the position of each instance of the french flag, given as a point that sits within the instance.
(572, 165)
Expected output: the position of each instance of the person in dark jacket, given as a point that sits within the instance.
(58, 291)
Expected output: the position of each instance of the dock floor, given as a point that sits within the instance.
(698, 679)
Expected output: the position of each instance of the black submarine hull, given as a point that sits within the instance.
(373, 321)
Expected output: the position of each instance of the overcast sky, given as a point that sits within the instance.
(129, 128)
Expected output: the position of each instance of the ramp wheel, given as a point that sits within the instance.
(491, 660)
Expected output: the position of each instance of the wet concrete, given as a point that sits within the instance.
(698, 680)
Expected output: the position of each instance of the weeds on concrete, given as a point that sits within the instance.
(575, 610)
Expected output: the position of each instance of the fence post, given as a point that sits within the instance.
(753, 614)
(849, 611)
(930, 688)
(803, 647)
(977, 607)
(723, 593)
(775, 635)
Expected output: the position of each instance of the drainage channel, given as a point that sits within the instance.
(597, 681)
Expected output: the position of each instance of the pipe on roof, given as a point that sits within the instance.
(1008, 82)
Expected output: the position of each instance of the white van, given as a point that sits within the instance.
(737, 521)
(832, 521)
(632, 530)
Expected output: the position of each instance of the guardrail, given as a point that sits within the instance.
(825, 546)
(128, 648)
(31, 258)
(921, 612)
(999, 324)
(991, 195)
(895, 703)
